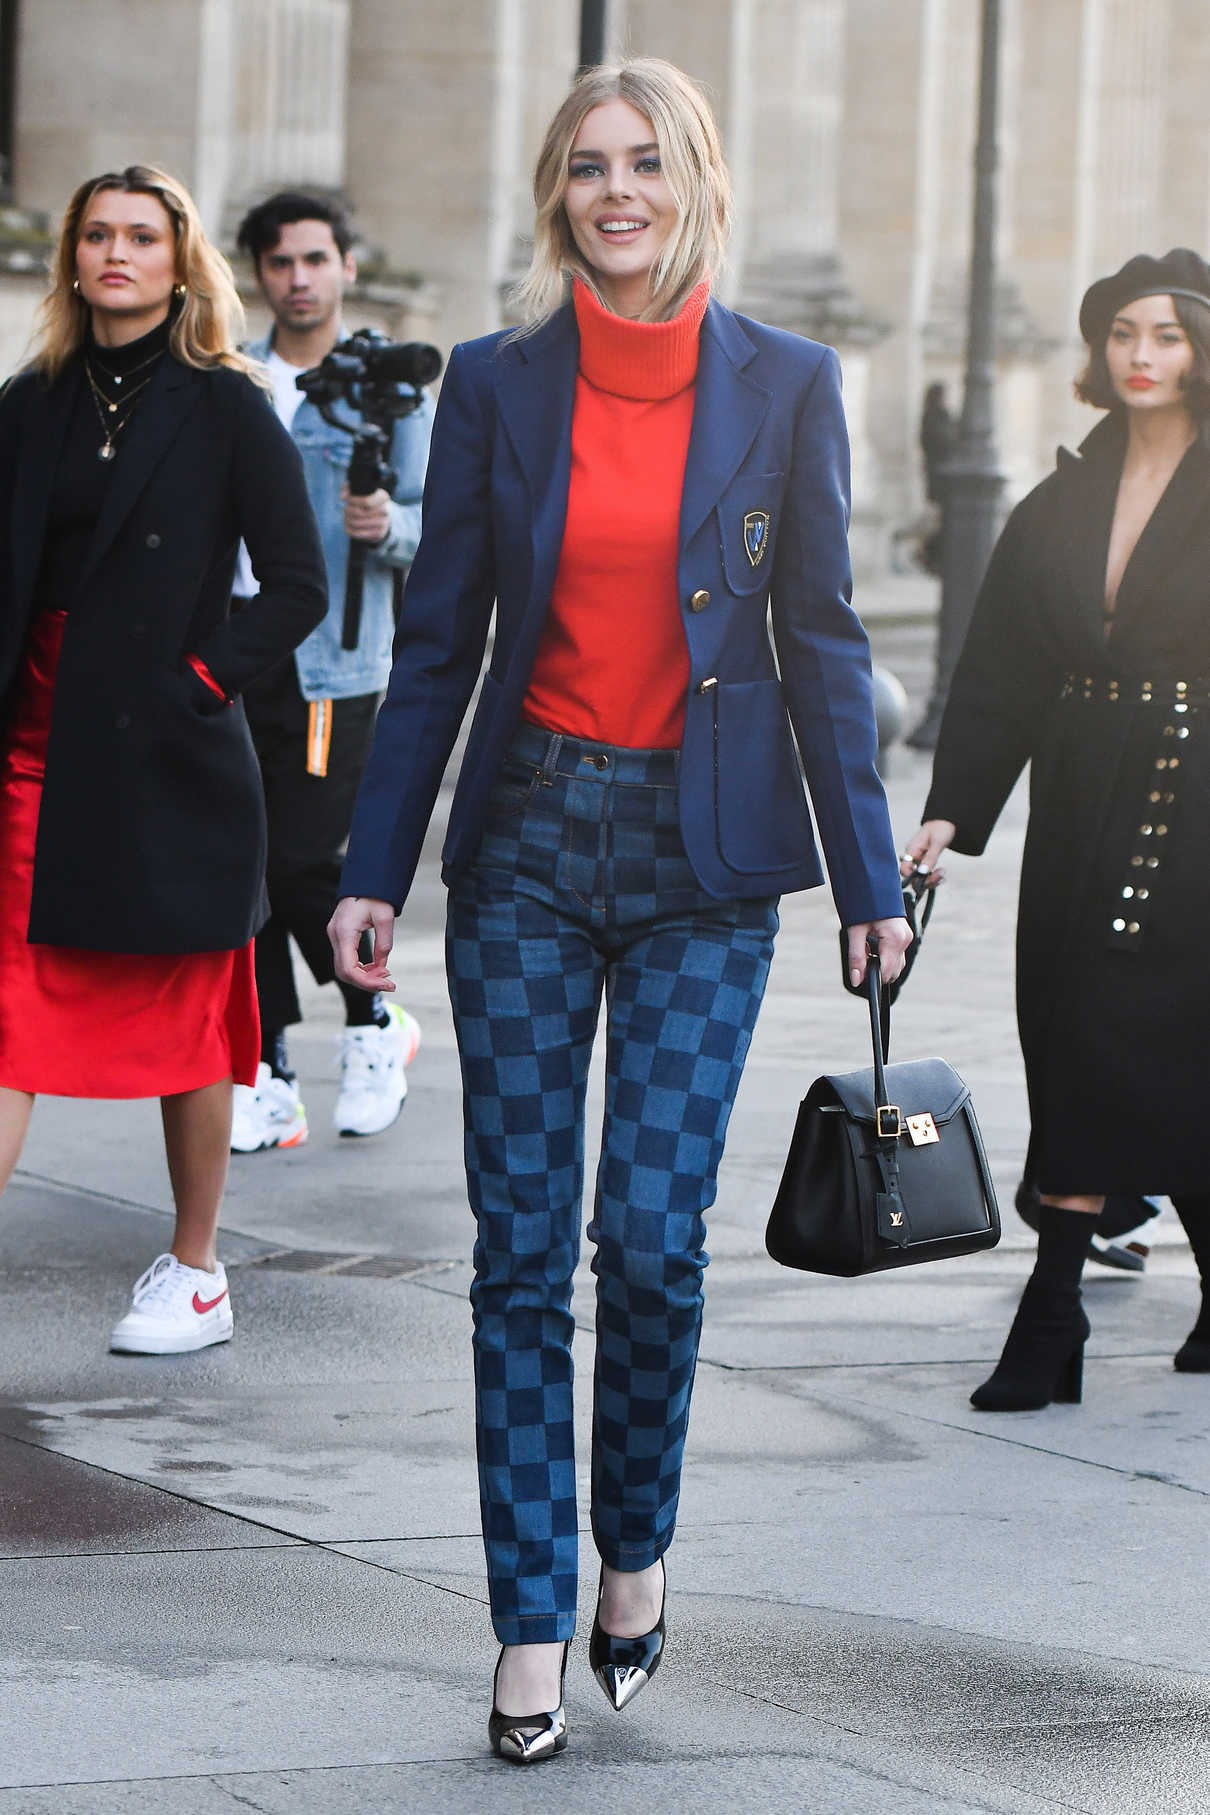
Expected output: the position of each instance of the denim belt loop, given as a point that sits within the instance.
(550, 762)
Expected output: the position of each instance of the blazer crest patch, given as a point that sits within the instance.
(756, 535)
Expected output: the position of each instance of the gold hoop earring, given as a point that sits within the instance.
(180, 291)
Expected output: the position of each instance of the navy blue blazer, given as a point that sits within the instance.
(764, 515)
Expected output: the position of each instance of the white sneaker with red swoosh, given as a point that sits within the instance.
(175, 1309)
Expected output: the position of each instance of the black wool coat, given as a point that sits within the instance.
(1113, 1002)
(151, 834)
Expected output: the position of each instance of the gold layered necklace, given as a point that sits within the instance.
(114, 414)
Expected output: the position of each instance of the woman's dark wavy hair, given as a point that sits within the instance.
(1095, 386)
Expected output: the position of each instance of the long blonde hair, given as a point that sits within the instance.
(210, 319)
(691, 153)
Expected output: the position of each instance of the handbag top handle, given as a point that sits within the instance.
(888, 1120)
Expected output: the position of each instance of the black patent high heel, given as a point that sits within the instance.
(1043, 1358)
(508, 1733)
(624, 1666)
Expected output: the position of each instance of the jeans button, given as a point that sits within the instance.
(600, 762)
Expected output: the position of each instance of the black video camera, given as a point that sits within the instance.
(383, 381)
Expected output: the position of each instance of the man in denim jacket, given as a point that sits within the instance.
(313, 718)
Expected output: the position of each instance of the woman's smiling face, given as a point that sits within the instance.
(619, 207)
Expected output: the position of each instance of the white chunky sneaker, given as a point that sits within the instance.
(372, 1080)
(267, 1114)
(175, 1309)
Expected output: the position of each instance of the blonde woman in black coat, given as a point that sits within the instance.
(1089, 658)
(134, 454)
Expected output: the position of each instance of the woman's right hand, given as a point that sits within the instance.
(354, 915)
(923, 851)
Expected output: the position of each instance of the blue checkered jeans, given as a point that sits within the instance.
(581, 886)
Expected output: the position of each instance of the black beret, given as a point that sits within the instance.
(1179, 273)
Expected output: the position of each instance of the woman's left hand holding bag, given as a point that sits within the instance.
(355, 915)
(892, 937)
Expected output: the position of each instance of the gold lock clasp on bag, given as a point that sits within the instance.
(922, 1130)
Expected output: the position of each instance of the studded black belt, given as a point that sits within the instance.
(1177, 707)
(1180, 695)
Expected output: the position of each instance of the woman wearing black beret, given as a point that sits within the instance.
(1089, 658)
(134, 454)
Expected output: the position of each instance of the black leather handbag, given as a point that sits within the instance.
(886, 1167)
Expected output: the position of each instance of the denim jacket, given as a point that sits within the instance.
(325, 670)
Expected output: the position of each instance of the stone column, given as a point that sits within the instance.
(697, 37)
(794, 274)
(1043, 126)
(717, 45)
(434, 144)
(797, 65)
(1126, 49)
(551, 36)
(906, 187)
(791, 203)
(1186, 168)
(287, 111)
(80, 73)
(232, 96)
(774, 70)
(900, 190)
(1097, 163)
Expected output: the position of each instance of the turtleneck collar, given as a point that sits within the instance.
(117, 361)
(644, 360)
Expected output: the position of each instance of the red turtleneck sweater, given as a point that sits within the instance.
(613, 664)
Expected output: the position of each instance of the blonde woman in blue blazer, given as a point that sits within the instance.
(583, 868)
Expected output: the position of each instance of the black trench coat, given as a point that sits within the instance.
(151, 834)
(1113, 991)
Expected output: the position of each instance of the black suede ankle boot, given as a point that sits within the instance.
(1043, 1358)
(1193, 1356)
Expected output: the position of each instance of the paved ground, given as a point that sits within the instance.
(252, 1578)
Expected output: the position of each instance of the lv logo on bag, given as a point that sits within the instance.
(756, 535)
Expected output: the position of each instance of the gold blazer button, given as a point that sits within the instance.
(699, 600)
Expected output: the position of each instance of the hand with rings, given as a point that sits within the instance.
(920, 856)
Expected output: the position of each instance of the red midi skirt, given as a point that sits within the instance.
(76, 1023)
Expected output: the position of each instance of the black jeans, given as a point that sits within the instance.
(309, 818)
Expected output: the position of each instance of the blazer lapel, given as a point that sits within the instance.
(728, 410)
(172, 393)
(536, 392)
(44, 432)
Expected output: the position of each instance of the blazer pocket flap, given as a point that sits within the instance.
(747, 522)
(918, 1088)
(761, 811)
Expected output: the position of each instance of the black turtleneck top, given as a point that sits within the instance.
(81, 481)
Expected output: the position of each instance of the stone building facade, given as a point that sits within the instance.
(849, 126)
